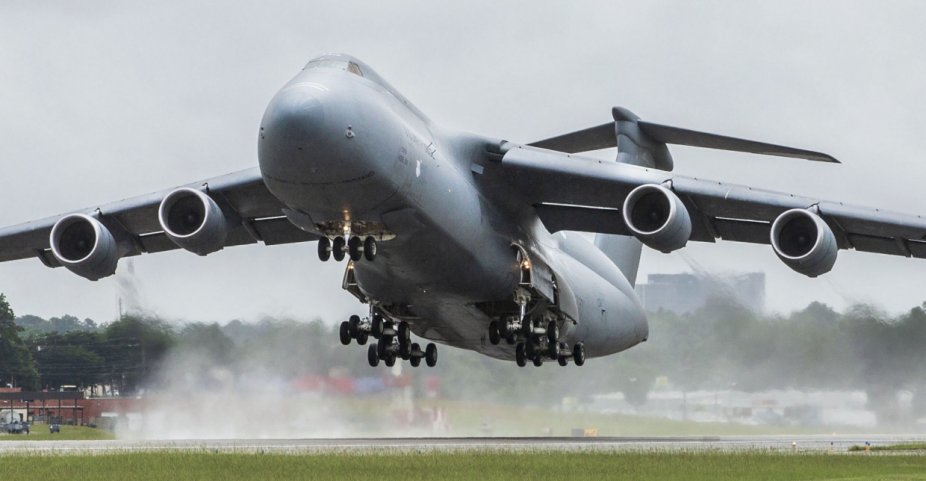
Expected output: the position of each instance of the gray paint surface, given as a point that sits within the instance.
(810, 75)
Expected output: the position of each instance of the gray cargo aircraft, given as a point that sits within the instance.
(466, 240)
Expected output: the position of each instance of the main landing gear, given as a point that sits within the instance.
(394, 341)
(535, 343)
(355, 247)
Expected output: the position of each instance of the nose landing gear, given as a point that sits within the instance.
(355, 248)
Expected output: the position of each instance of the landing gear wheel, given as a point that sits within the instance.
(382, 350)
(538, 361)
(338, 248)
(405, 351)
(430, 355)
(562, 360)
(376, 327)
(578, 354)
(530, 349)
(362, 337)
(552, 333)
(354, 248)
(373, 355)
(510, 339)
(527, 328)
(520, 357)
(390, 359)
(353, 326)
(344, 333)
(324, 249)
(495, 336)
(553, 350)
(415, 351)
(404, 334)
(369, 249)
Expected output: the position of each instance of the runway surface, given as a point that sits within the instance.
(799, 443)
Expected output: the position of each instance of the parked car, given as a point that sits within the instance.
(54, 428)
(16, 427)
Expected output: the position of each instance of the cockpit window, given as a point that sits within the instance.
(337, 64)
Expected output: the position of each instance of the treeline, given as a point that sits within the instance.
(721, 346)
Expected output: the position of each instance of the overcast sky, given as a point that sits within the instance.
(103, 100)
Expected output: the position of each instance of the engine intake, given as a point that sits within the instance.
(193, 221)
(85, 246)
(804, 242)
(656, 216)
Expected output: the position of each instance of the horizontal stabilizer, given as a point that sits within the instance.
(605, 136)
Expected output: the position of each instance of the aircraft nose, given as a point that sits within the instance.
(294, 117)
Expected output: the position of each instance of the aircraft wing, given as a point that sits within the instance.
(253, 213)
(581, 194)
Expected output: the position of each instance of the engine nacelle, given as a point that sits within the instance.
(193, 221)
(85, 246)
(804, 242)
(656, 216)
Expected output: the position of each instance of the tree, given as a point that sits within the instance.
(16, 365)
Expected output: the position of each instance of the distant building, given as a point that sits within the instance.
(684, 293)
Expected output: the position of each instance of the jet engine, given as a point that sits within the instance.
(804, 242)
(656, 216)
(193, 221)
(85, 246)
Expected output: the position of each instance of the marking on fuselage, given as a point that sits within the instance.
(418, 168)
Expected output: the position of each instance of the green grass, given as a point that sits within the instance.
(462, 466)
(892, 447)
(39, 432)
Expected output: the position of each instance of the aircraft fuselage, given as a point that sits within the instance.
(348, 155)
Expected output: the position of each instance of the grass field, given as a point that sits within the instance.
(460, 466)
(39, 432)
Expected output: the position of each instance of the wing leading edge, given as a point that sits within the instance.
(255, 216)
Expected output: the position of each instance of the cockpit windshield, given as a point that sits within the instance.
(335, 63)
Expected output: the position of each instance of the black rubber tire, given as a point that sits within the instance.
(362, 337)
(495, 336)
(552, 350)
(390, 359)
(382, 349)
(369, 249)
(527, 328)
(405, 351)
(355, 248)
(324, 249)
(430, 355)
(578, 354)
(510, 339)
(520, 357)
(338, 248)
(344, 333)
(376, 326)
(563, 360)
(353, 326)
(373, 355)
(415, 361)
(404, 334)
(553, 333)
(530, 349)
(538, 361)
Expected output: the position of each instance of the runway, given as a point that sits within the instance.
(783, 444)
